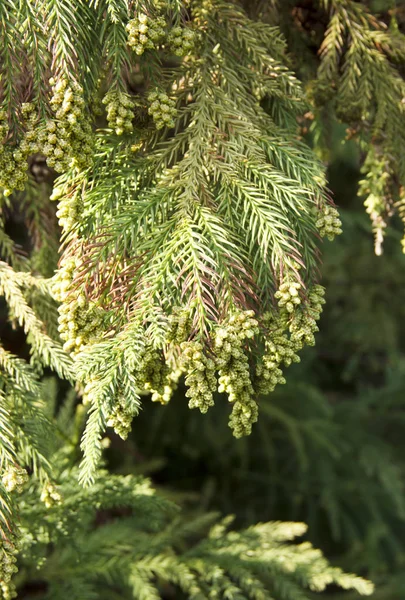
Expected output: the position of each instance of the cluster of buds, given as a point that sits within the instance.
(180, 325)
(68, 140)
(304, 324)
(244, 414)
(164, 393)
(145, 33)
(3, 127)
(171, 383)
(181, 40)
(69, 207)
(14, 478)
(55, 143)
(152, 374)
(50, 495)
(120, 111)
(30, 142)
(268, 374)
(233, 369)
(8, 567)
(14, 160)
(67, 100)
(7, 164)
(159, 379)
(121, 418)
(162, 109)
(200, 376)
(288, 296)
(279, 349)
(328, 222)
(79, 322)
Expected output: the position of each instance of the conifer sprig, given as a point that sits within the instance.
(130, 540)
(360, 70)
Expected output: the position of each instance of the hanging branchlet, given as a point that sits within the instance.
(359, 75)
(379, 188)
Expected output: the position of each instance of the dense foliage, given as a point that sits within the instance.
(186, 145)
